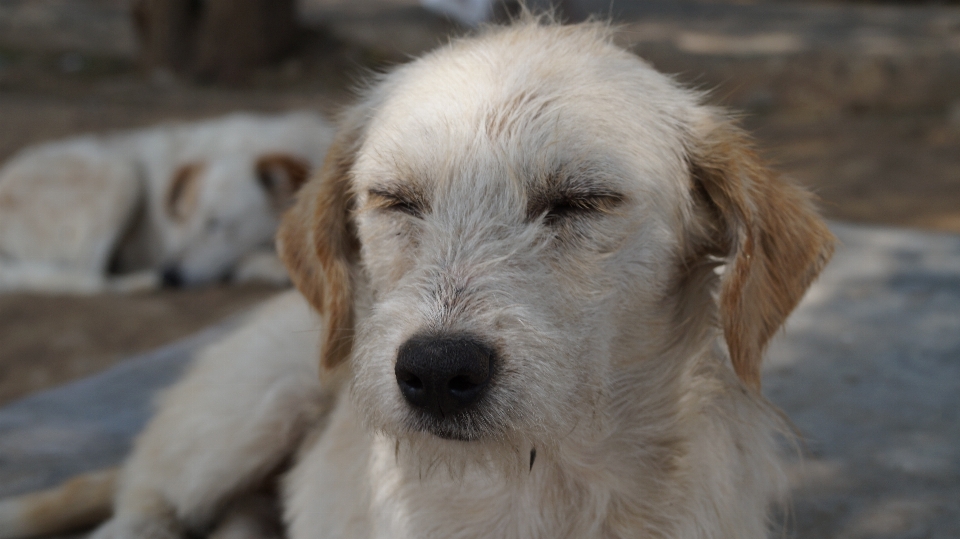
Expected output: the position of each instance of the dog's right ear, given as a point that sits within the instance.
(318, 244)
(281, 175)
(183, 191)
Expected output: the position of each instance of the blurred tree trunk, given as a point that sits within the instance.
(220, 40)
(167, 30)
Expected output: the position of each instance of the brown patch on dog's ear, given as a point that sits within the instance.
(183, 192)
(768, 233)
(318, 244)
(281, 175)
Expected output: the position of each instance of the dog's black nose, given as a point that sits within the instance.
(443, 375)
(171, 277)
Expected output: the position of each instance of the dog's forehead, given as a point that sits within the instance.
(521, 104)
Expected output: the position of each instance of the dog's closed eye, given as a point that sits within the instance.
(567, 204)
(399, 199)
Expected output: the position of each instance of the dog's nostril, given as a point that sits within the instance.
(445, 374)
(462, 383)
(409, 380)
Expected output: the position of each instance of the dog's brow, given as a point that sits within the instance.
(577, 192)
(399, 197)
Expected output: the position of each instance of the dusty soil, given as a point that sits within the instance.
(49, 340)
(893, 169)
(871, 167)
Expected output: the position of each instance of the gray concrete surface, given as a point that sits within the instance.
(868, 368)
(869, 371)
(88, 424)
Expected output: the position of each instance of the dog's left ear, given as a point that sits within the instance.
(281, 175)
(318, 244)
(768, 234)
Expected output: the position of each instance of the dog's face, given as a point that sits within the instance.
(516, 218)
(217, 210)
(508, 225)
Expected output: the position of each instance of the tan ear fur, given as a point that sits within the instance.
(318, 245)
(183, 191)
(769, 234)
(281, 175)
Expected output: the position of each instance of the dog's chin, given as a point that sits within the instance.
(458, 429)
(441, 446)
(455, 435)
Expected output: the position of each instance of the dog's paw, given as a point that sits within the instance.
(137, 528)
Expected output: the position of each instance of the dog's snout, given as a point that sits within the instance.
(443, 375)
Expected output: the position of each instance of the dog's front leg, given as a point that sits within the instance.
(224, 429)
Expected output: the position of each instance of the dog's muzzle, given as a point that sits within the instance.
(444, 375)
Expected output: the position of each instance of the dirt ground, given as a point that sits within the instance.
(49, 340)
(895, 168)
(892, 169)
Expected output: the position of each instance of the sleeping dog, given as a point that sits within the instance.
(184, 204)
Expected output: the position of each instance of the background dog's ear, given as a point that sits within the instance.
(281, 175)
(318, 244)
(183, 191)
(768, 233)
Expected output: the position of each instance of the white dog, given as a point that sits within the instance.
(191, 203)
(514, 250)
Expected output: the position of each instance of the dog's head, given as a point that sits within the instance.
(507, 225)
(216, 210)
